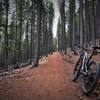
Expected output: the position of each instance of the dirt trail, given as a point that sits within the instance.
(49, 81)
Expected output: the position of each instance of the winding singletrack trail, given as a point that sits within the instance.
(49, 81)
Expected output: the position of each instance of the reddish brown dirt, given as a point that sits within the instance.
(49, 81)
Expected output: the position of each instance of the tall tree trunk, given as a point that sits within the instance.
(32, 32)
(81, 23)
(31, 44)
(20, 31)
(63, 34)
(70, 21)
(59, 35)
(16, 42)
(98, 20)
(27, 41)
(37, 46)
(93, 25)
(86, 24)
(74, 30)
(20, 38)
(6, 34)
(46, 38)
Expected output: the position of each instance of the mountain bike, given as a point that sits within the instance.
(87, 69)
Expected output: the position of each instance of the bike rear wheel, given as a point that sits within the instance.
(89, 81)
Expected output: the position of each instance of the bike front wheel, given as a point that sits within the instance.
(89, 81)
(76, 71)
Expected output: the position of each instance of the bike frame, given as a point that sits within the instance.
(85, 59)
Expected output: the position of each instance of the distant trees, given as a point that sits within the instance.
(87, 22)
(44, 36)
(28, 33)
(82, 18)
(26, 29)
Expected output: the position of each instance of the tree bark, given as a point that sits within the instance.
(37, 46)
(98, 20)
(81, 23)
(74, 30)
(6, 34)
(63, 34)
(93, 25)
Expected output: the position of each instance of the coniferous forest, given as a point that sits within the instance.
(25, 31)
(40, 39)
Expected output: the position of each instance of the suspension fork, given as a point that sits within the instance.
(84, 63)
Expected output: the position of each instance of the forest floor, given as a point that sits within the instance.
(51, 80)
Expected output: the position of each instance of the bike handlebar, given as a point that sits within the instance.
(94, 48)
(80, 46)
